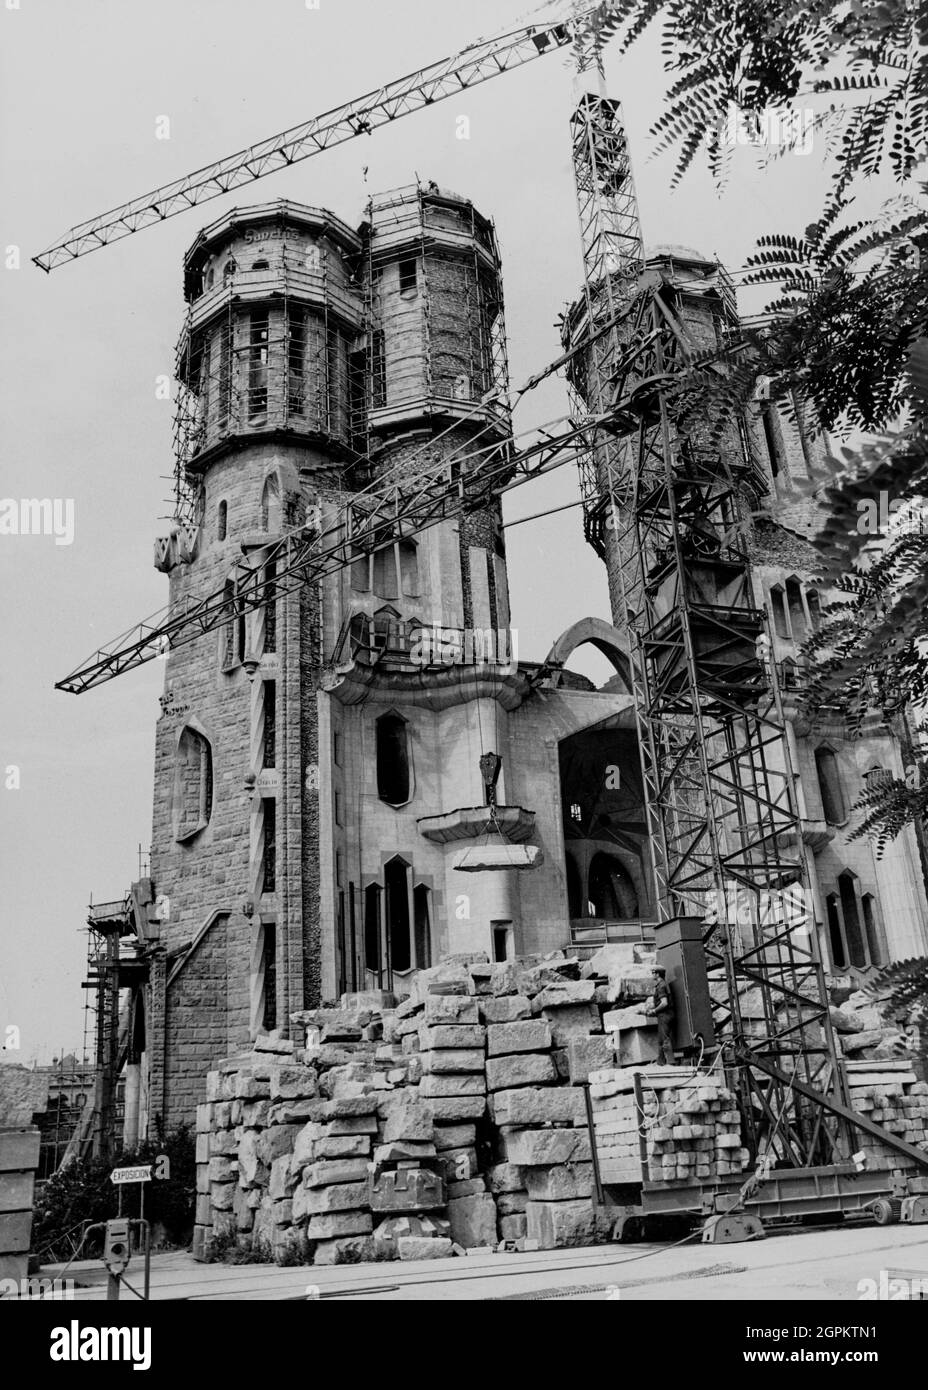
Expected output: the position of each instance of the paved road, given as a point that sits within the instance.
(802, 1265)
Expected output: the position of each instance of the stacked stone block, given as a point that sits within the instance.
(890, 1095)
(690, 1126)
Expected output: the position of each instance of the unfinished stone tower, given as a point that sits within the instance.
(323, 821)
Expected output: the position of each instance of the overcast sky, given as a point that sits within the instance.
(83, 84)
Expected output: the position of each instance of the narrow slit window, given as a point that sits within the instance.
(223, 521)
(228, 631)
(408, 276)
(378, 370)
(766, 415)
(269, 976)
(269, 811)
(270, 609)
(372, 927)
(296, 357)
(193, 784)
(270, 724)
(396, 892)
(423, 926)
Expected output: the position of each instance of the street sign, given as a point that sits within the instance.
(140, 1174)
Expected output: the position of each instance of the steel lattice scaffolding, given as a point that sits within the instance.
(718, 783)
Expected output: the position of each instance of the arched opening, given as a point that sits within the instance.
(396, 904)
(829, 782)
(853, 927)
(873, 926)
(779, 610)
(835, 934)
(228, 270)
(409, 568)
(611, 890)
(230, 629)
(384, 573)
(393, 770)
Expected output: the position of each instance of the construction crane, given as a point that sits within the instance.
(718, 780)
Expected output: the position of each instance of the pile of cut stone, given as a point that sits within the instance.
(686, 1128)
(891, 1095)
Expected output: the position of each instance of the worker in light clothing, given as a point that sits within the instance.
(662, 1007)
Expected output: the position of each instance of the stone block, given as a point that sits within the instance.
(331, 1225)
(204, 1119)
(284, 1177)
(546, 1147)
(256, 1113)
(558, 1224)
(617, 1019)
(23, 1094)
(249, 1086)
(452, 1060)
(455, 1137)
(352, 1125)
(222, 1195)
(564, 1182)
(222, 1169)
(513, 1227)
(423, 1247)
(392, 1228)
(511, 1203)
(451, 1008)
(520, 1069)
(447, 1086)
(611, 960)
(348, 1250)
(252, 1171)
(404, 1116)
(406, 1189)
(201, 1149)
(448, 1109)
(572, 1021)
(326, 1171)
(588, 1054)
(564, 994)
(473, 1220)
(222, 1142)
(524, 1035)
(294, 1112)
(466, 1187)
(457, 1165)
(292, 1083)
(529, 1105)
(505, 1177)
(507, 1008)
(403, 1150)
(341, 1196)
(638, 1045)
(454, 1035)
(276, 1141)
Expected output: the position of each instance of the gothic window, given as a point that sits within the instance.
(829, 782)
(393, 772)
(815, 608)
(853, 927)
(193, 784)
(396, 896)
(423, 926)
(797, 612)
(230, 629)
(223, 521)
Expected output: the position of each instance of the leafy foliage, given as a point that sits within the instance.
(81, 1194)
(846, 329)
(901, 991)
